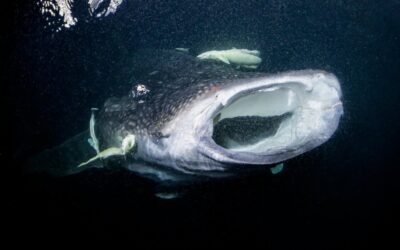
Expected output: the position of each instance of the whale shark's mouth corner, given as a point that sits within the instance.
(273, 122)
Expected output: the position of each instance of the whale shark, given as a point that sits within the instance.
(188, 118)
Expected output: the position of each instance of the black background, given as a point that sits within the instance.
(340, 194)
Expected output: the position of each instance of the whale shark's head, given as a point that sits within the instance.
(249, 121)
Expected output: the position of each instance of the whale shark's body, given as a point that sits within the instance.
(195, 119)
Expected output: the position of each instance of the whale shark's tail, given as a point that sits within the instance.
(63, 159)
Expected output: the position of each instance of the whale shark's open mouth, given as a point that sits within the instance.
(264, 122)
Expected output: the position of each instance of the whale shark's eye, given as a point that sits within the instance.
(255, 120)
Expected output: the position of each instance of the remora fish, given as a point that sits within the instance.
(241, 57)
(202, 119)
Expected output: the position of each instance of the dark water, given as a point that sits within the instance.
(342, 193)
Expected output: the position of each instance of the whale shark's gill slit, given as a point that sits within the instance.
(253, 120)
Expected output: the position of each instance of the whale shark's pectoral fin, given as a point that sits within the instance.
(222, 59)
(277, 169)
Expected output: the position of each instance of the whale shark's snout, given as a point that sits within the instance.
(256, 121)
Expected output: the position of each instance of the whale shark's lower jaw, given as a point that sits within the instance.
(270, 119)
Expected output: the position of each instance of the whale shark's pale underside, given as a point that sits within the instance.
(203, 119)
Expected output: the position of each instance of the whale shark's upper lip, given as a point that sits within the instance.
(315, 118)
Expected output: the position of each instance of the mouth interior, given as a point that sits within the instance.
(257, 121)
